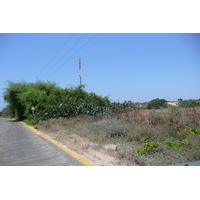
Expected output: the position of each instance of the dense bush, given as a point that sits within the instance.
(50, 100)
(88, 104)
(189, 103)
(22, 96)
(157, 104)
(69, 109)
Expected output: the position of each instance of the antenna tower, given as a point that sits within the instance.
(79, 61)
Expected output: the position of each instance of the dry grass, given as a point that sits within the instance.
(129, 131)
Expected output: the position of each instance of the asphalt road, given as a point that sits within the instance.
(20, 146)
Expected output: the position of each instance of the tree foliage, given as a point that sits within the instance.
(47, 97)
(189, 103)
(157, 104)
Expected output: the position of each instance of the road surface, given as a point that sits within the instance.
(20, 146)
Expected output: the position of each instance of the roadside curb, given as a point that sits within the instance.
(60, 146)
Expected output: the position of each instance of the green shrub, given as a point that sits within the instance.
(157, 104)
(30, 122)
(189, 103)
(173, 144)
(186, 142)
(142, 151)
(193, 131)
(151, 145)
(148, 148)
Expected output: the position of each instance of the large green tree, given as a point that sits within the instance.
(22, 96)
(12, 95)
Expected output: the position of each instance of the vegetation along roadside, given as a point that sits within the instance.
(153, 133)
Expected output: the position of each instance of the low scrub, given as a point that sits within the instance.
(30, 122)
(109, 128)
(148, 148)
(193, 131)
(173, 144)
(156, 137)
(143, 137)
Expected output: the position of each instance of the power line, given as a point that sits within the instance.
(57, 53)
(65, 53)
(74, 54)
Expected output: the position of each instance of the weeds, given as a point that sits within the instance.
(30, 122)
(193, 131)
(173, 144)
(155, 137)
(148, 148)
(186, 142)
(109, 128)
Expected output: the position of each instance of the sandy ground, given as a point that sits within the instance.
(173, 103)
(91, 152)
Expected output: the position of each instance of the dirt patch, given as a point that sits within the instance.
(173, 103)
(91, 152)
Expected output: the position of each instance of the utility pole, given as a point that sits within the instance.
(79, 61)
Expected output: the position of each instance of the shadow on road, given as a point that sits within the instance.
(11, 120)
(14, 120)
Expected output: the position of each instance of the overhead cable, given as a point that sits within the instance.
(56, 53)
(85, 44)
(66, 53)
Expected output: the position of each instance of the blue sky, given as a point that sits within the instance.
(125, 66)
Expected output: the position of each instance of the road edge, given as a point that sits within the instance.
(60, 146)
